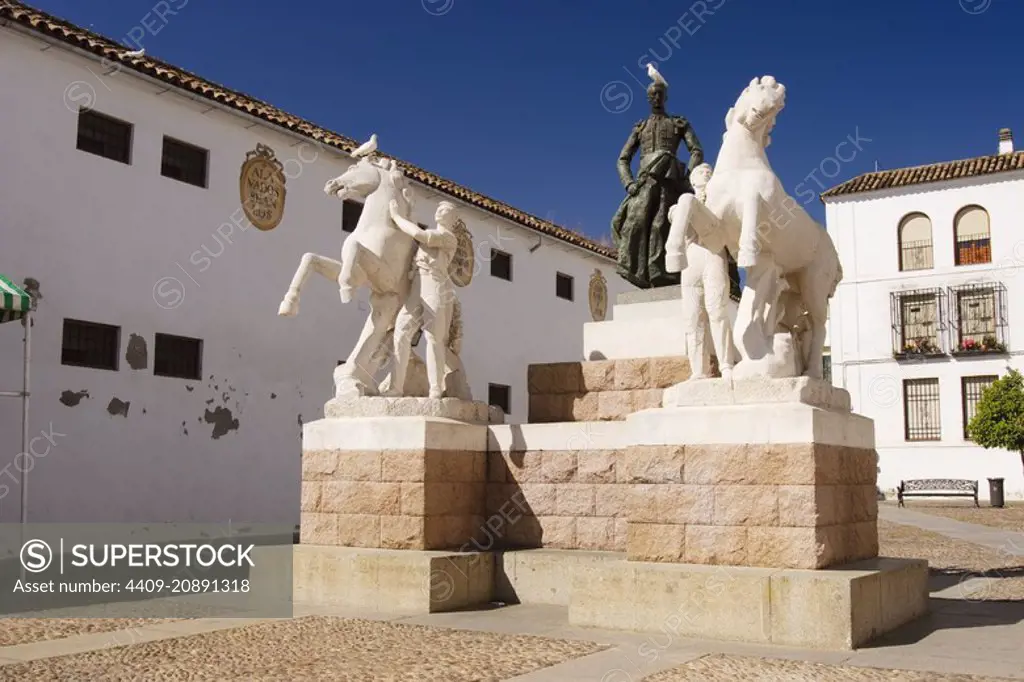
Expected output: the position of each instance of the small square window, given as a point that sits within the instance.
(500, 395)
(90, 344)
(178, 356)
(104, 136)
(350, 212)
(501, 265)
(563, 286)
(184, 162)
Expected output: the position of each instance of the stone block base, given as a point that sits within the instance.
(417, 483)
(771, 473)
(400, 581)
(556, 486)
(839, 608)
(606, 390)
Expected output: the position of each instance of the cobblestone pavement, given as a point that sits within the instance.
(22, 630)
(733, 668)
(967, 632)
(315, 648)
(1010, 517)
(943, 553)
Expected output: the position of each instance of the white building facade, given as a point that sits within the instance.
(931, 309)
(170, 388)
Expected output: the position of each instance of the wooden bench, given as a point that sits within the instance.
(938, 487)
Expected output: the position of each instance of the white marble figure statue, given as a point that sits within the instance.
(428, 305)
(456, 385)
(704, 290)
(774, 240)
(377, 254)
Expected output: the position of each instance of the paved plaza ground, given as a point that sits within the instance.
(972, 634)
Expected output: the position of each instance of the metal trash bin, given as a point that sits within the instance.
(995, 492)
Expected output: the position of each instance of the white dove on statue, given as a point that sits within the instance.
(367, 148)
(133, 55)
(654, 75)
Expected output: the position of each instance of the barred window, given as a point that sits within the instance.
(184, 162)
(90, 344)
(350, 212)
(921, 409)
(976, 314)
(919, 319)
(104, 136)
(563, 286)
(177, 356)
(971, 389)
(973, 242)
(501, 265)
(500, 395)
(915, 242)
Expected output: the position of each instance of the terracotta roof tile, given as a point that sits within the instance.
(41, 22)
(933, 172)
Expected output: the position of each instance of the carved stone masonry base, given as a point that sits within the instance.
(774, 473)
(414, 483)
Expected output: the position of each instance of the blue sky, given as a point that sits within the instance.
(530, 101)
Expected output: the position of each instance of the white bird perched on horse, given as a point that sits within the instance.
(367, 148)
(654, 75)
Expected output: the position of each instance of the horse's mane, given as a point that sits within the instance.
(732, 116)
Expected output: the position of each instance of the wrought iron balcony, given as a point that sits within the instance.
(978, 318)
(918, 321)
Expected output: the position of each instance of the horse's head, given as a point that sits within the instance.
(359, 180)
(757, 107)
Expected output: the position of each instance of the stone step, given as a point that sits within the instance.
(601, 390)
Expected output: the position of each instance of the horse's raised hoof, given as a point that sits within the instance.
(289, 306)
(345, 293)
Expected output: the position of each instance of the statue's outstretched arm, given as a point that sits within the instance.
(693, 145)
(626, 156)
(404, 224)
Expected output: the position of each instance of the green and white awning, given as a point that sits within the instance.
(14, 302)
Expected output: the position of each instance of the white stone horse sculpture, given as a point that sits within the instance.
(377, 254)
(778, 244)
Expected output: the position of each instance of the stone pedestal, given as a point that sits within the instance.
(380, 483)
(741, 492)
(762, 472)
(644, 324)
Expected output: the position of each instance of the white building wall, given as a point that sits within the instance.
(864, 228)
(122, 245)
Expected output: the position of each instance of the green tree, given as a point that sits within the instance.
(999, 420)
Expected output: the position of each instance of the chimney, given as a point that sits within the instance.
(1005, 141)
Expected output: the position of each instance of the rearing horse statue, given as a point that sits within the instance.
(792, 266)
(377, 254)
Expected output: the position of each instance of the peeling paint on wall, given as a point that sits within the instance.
(137, 355)
(118, 407)
(72, 398)
(273, 396)
(190, 388)
(222, 420)
(184, 429)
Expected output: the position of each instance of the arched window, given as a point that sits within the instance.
(915, 237)
(972, 242)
